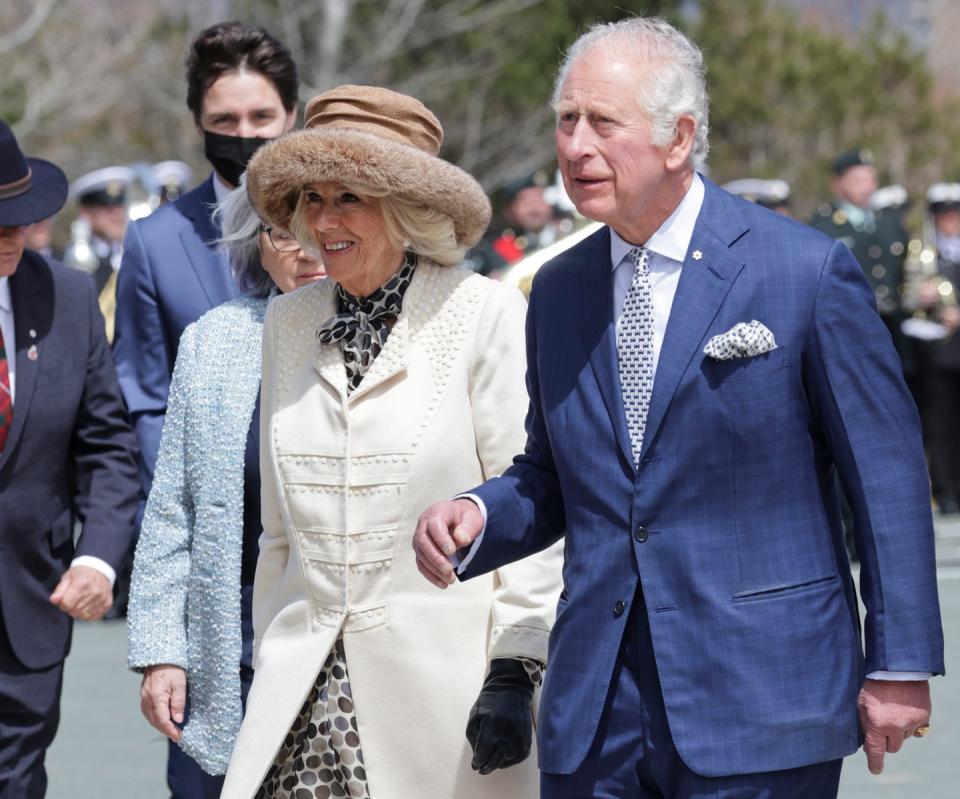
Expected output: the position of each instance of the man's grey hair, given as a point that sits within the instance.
(675, 84)
(240, 238)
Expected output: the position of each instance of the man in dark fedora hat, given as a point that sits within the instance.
(67, 453)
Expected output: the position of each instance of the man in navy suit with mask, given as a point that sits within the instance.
(703, 372)
(242, 87)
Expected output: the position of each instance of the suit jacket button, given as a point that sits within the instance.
(640, 533)
(618, 607)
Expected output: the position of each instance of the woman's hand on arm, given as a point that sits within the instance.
(163, 695)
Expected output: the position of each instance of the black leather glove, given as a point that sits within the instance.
(500, 728)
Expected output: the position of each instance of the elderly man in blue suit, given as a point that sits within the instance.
(242, 89)
(702, 374)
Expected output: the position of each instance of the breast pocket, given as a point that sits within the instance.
(738, 370)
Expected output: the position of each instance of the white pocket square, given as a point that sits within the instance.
(743, 340)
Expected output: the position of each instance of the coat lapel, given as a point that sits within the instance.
(31, 295)
(708, 273)
(598, 333)
(328, 361)
(208, 262)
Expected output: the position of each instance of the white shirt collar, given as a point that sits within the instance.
(6, 304)
(220, 189)
(672, 238)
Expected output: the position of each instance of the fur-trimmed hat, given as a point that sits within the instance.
(375, 137)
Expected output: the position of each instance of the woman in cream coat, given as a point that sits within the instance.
(411, 388)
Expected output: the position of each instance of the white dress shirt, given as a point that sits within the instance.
(10, 344)
(668, 247)
(220, 189)
(9, 336)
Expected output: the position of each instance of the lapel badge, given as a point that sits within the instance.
(697, 255)
(33, 333)
(32, 352)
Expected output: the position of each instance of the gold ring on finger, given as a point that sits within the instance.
(922, 730)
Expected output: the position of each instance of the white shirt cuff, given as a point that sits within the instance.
(461, 563)
(899, 676)
(95, 563)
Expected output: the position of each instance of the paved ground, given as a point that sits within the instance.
(105, 749)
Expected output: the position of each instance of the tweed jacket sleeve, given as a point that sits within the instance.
(157, 615)
(526, 592)
(274, 545)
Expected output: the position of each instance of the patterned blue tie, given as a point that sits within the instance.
(635, 350)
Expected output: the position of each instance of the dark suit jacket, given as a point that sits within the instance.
(171, 275)
(70, 454)
(730, 524)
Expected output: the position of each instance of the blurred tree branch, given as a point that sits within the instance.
(25, 31)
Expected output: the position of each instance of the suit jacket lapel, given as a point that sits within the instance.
(598, 334)
(208, 263)
(708, 273)
(31, 294)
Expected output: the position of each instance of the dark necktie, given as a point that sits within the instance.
(6, 400)
(635, 349)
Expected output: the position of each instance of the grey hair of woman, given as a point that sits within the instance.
(240, 238)
(675, 85)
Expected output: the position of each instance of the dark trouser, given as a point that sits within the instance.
(29, 715)
(633, 756)
(943, 434)
(185, 778)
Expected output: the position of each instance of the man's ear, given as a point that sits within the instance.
(680, 147)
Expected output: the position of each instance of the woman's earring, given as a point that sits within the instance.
(406, 244)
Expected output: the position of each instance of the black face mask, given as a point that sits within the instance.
(230, 154)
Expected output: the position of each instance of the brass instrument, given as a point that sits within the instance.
(928, 294)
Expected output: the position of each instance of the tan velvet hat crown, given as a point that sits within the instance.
(378, 111)
(371, 136)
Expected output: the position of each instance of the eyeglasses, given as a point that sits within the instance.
(281, 241)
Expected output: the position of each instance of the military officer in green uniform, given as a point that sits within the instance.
(875, 237)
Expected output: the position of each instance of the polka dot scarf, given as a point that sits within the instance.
(360, 324)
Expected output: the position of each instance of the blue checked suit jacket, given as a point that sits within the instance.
(731, 523)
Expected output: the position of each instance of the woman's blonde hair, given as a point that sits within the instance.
(417, 228)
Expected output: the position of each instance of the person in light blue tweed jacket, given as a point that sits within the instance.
(189, 618)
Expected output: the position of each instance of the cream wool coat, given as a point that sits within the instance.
(344, 482)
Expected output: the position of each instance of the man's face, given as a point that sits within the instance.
(245, 104)
(856, 185)
(948, 222)
(529, 211)
(106, 221)
(12, 242)
(39, 234)
(610, 168)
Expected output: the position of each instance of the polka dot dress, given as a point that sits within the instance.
(321, 757)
